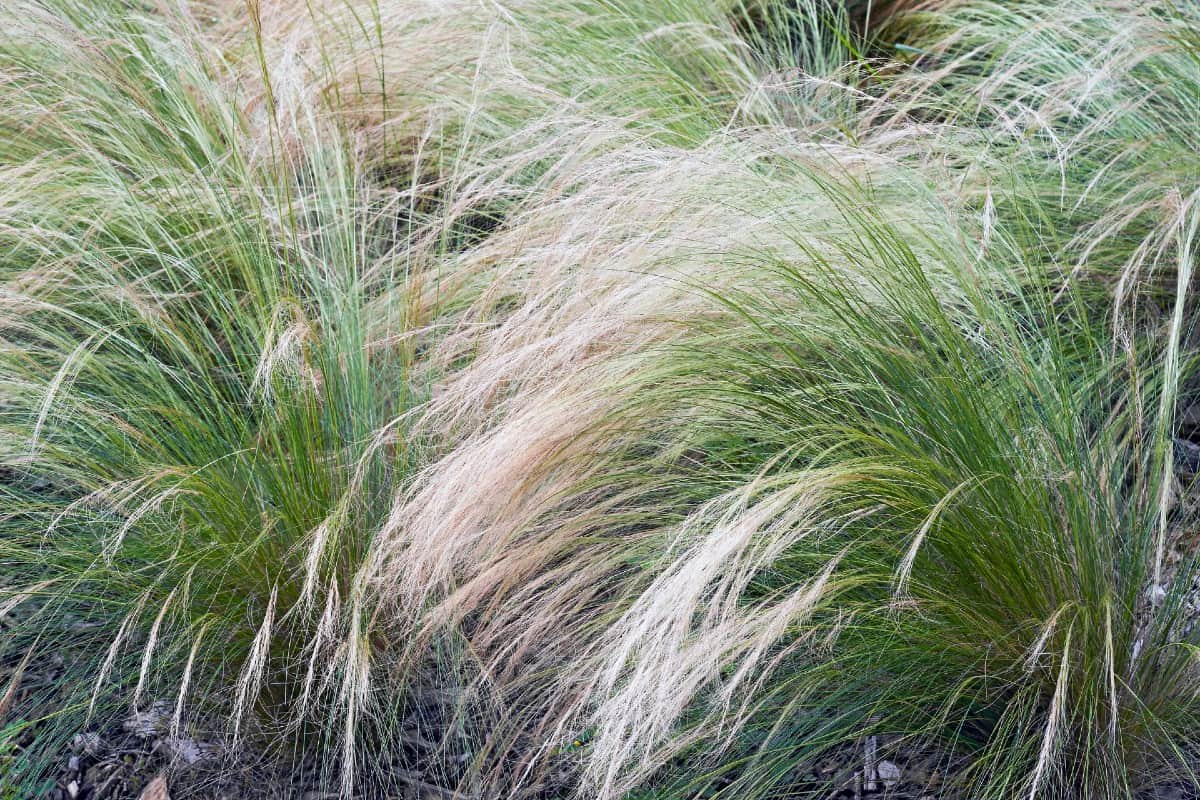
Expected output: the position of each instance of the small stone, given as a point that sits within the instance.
(146, 723)
(889, 773)
(73, 788)
(187, 750)
(73, 763)
(86, 743)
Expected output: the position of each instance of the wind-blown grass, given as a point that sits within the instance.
(790, 535)
(882, 547)
(680, 391)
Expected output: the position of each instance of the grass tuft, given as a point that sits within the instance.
(622, 399)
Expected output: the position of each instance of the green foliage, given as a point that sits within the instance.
(200, 433)
(609, 399)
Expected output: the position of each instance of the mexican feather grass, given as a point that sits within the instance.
(614, 399)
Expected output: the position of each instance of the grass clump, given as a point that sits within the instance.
(203, 412)
(622, 399)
